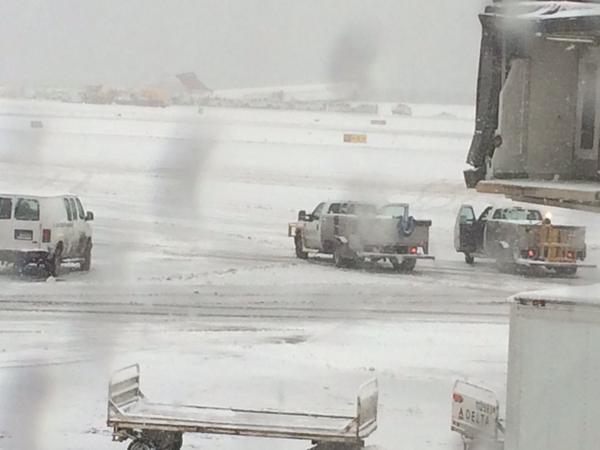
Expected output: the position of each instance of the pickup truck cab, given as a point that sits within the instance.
(515, 236)
(356, 231)
(44, 230)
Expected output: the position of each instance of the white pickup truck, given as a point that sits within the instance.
(356, 231)
(519, 237)
(552, 389)
(44, 230)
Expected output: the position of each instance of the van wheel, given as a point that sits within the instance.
(53, 263)
(87, 257)
(300, 253)
(469, 259)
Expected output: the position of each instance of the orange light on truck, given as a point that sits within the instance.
(413, 250)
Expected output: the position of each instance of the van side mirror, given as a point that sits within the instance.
(89, 216)
(302, 216)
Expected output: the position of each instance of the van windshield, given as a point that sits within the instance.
(27, 209)
(5, 208)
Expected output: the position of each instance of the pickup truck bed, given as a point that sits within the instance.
(129, 410)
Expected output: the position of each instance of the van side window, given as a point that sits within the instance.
(68, 208)
(80, 209)
(27, 209)
(73, 209)
(5, 208)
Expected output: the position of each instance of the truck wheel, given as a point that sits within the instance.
(54, 261)
(178, 443)
(407, 265)
(566, 270)
(86, 264)
(469, 259)
(298, 244)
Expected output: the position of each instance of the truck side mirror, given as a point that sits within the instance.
(89, 216)
(302, 216)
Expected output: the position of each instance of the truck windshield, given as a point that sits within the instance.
(518, 214)
(394, 211)
(5, 208)
(361, 209)
(27, 209)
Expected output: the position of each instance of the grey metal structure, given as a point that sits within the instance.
(159, 426)
(537, 132)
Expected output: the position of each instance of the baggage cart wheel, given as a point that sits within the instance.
(140, 444)
(177, 442)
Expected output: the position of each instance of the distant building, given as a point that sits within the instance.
(538, 102)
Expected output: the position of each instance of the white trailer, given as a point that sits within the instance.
(553, 388)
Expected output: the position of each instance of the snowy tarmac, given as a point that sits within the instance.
(194, 276)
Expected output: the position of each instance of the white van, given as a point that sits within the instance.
(44, 230)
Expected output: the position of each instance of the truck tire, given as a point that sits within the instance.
(54, 261)
(299, 246)
(407, 265)
(469, 259)
(86, 264)
(566, 271)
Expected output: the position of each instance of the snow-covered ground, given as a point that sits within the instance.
(194, 275)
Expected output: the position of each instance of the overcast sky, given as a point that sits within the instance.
(411, 49)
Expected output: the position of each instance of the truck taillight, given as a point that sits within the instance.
(531, 253)
(457, 398)
(46, 235)
(570, 255)
(413, 250)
